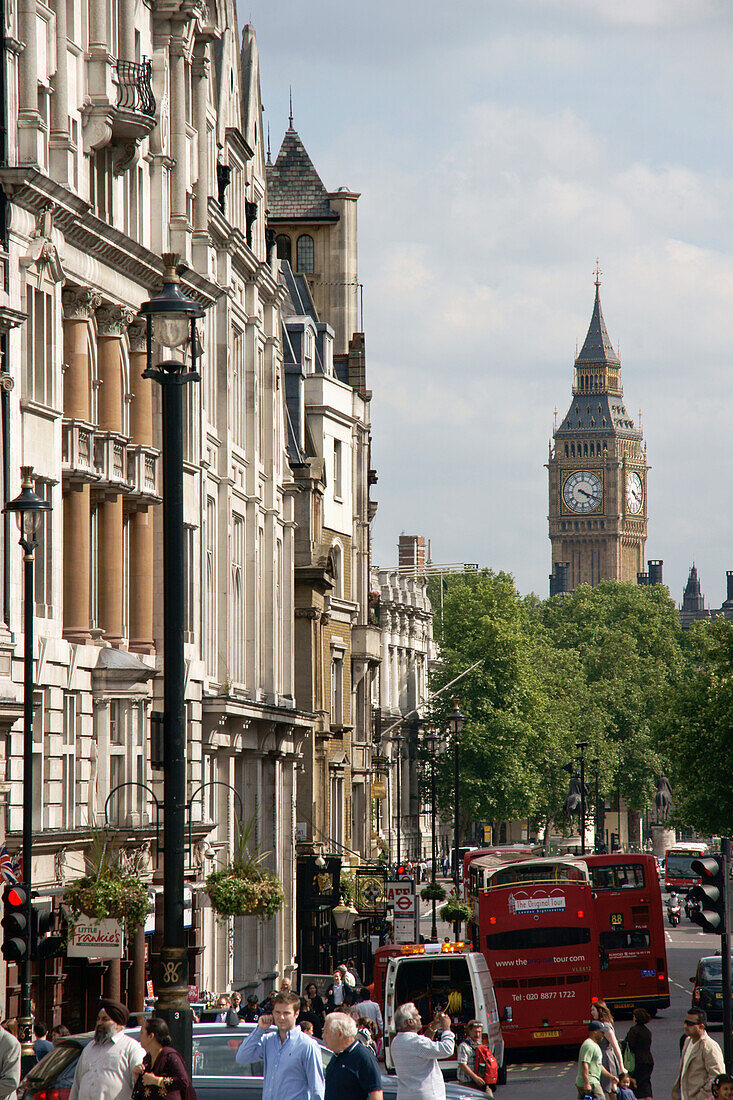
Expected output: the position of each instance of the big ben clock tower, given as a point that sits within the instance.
(598, 472)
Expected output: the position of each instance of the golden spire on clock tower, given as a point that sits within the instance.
(597, 471)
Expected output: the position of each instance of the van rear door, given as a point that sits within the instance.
(458, 984)
(487, 1010)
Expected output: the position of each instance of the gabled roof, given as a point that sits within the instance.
(294, 188)
(597, 348)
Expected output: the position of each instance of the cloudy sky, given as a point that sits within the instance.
(500, 146)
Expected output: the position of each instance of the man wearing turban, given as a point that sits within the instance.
(105, 1070)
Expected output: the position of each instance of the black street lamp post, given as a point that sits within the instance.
(28, 508)
(582, 746)
(432, 739)
(399, 741)
(171, 323)
(456, 722)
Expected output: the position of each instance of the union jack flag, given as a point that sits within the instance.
(8, 867)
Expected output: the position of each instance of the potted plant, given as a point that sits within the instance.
(456, 911)
(433, 892)
(243, 888)
(107, 891)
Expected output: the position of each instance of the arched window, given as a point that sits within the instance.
(283, 246)
(305, 254)
(566, 451)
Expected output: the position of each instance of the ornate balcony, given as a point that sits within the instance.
(121, 109)
(143, 475)
(135, 87)
(110, 460)
(77, 452)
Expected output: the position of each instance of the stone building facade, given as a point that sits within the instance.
(134, 131)
(328, 402)
(597, 474)
(405, 617)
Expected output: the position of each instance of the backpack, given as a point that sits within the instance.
(486, 1065)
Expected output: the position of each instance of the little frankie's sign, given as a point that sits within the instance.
(96, 939)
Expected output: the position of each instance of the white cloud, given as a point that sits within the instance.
(499, 148)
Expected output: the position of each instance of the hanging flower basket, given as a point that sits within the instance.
(243, 888)
(456, 911)
(108, 891)
(109, 894)
(433, 891)
(237, 892)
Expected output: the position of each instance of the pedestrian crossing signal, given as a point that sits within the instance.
(16, 923)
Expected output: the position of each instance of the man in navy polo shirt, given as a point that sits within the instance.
(353, 1072)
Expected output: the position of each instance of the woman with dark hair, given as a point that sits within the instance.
(612, 1058)
(163, 1072)
(317, 1003)
(639, 1042)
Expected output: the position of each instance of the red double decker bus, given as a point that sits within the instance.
(535, 923)
(677, 865)
(628, 906)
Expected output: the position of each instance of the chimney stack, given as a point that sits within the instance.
(655, 571)
(411, 551)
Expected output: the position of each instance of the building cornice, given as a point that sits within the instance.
(74, 218)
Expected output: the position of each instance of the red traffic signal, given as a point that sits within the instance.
(16, 923)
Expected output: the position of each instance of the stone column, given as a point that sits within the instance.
(141, 405)
(59, 145)
(141, 523)
(79, 304)
(200, 73)
(112, 323)
(29, 119)
(179, 227)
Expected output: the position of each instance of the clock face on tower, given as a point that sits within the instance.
(582, 491)
(634, 493)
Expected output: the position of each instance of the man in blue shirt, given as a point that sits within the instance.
(353, 1072)
(293, 1069)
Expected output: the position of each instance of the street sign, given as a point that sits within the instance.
(401, 895)
(95, 939)
(404, 930)
(369, 890)
(379, 788)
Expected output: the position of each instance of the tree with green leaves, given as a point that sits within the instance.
(525, 703)
(629, 642)
(597, 666)
(696, 732)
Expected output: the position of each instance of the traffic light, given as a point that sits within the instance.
(16, 923)
(708, 897)
(45, 921)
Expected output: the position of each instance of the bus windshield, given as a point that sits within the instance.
(537, 872)
(623, 876)
(679, 865)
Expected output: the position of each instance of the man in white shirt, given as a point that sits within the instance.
(105, 1069)
(416, 1056)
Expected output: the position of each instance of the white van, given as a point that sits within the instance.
(456, 981)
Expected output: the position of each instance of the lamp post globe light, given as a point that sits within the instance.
(431, 740)
(171, 318)
(29, 509)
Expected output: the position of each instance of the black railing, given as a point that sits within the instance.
(135, 86)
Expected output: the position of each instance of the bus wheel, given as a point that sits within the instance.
(652, 1012)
